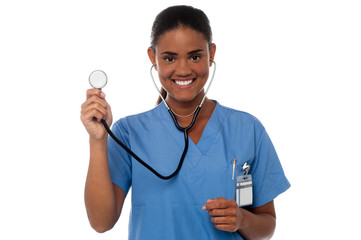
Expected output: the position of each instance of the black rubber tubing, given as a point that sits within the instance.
(184, 130)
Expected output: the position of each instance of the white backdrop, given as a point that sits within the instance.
(295, 65)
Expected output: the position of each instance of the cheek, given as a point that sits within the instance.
(203, 71)
(163, 78)
(164, 72)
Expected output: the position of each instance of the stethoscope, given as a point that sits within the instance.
(98, 79)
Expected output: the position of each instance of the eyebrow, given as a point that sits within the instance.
(174, 54)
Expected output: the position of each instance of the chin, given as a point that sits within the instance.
(187, 98)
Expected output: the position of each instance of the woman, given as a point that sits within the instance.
(199, 202)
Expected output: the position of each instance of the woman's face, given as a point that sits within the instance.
(183, 60)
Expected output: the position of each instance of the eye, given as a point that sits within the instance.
(169, 59)
(195, 58)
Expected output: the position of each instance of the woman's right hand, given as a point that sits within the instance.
(93, 110)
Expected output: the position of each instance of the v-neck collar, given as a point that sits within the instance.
(195, 151)
(209, 132)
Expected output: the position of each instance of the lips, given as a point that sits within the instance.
(183, 82)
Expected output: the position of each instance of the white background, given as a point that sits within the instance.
(295, 65)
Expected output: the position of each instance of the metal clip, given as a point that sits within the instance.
(245, 168)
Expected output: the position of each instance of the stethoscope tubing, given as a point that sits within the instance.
(176, 123)
(135, 156)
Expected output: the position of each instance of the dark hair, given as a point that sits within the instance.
(180, 16)
(184, 16)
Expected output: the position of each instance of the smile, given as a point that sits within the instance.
(183, 82)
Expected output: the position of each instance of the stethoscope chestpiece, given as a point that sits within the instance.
(98, 79)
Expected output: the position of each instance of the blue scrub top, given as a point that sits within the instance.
(172, 209)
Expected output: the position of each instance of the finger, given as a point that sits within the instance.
(95, 92)
(219, 203)
(217, 199)
(225, 227)
(95, 99)
(96, 105)
(231, 211)
(224, 220)
(92, 113)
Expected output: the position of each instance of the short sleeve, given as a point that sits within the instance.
(120, 165)
(268, 176)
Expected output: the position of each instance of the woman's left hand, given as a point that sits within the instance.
(226, 214)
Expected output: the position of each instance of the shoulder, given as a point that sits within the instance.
(234, 117)
(137, 120)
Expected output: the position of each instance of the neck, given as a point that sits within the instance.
(185, 109)
(202, 118)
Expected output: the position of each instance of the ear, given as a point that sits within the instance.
(152, 56)
(212, 53)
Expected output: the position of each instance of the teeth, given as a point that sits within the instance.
(183, 83)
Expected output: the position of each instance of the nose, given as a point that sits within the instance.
(183, 69)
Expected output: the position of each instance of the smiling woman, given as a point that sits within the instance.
(200, 201)
(182, 58)
(176, 17)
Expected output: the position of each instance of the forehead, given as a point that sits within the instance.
(181, 40)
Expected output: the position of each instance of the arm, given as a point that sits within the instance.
(257, 223)
(103, 200)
